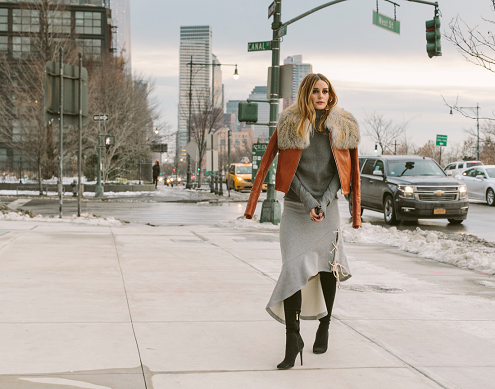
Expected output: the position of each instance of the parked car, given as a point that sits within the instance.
(410, 187)
(480, 182)
(454, 168)
(240, 177)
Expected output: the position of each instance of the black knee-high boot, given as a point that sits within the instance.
(293, 341)
(329, 287)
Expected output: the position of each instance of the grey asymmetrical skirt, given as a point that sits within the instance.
(307, 249)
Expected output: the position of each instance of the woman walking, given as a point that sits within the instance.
(317, 146)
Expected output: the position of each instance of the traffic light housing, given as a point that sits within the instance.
(376, 148)
(433, 35)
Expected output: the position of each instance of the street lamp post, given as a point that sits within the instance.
(477, 108)
(191, 64)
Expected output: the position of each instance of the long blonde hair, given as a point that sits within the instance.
(305, 104)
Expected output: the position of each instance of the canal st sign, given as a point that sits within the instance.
(260, 46)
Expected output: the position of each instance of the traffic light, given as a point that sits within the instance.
(173, 170)
(199, 169)
(376, 148)
(433, 35)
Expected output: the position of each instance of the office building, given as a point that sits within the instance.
(121, 24)
(195, 44)
(259, 93)
(300, 70)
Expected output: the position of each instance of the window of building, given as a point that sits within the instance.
(4, 19)
(88, 23)
(4, 44)
(21, 46)
(3, 154)
(91, 48)
(59, 22)
(25, 20)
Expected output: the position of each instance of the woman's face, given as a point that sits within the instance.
(320, 95)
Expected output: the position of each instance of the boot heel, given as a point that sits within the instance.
(301, 358)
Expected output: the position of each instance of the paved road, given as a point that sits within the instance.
(158, 209)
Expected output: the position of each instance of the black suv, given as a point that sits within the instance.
(410, 187)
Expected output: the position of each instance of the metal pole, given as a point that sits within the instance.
(79, 143)
(270, 210)
(188, 157)
(228, 157)
(478, 132)
(99, 188)
(61, 136)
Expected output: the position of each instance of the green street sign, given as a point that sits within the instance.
(259, 46)
(282, 31)
(258, 151)
(441, 140)
(386, 22)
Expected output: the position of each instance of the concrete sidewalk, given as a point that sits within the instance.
(183, 307)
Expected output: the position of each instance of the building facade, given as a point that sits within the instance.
(300, 70)
(88, 22)
(121, 17)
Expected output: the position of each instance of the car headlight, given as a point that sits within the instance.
(407, 191)
(240, 179)
(463, 192)
(179, 179)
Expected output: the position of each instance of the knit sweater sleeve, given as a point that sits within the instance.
(306, 198)
(330, 193)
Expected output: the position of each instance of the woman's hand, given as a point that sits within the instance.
(316, 218)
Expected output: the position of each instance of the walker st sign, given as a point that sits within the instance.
(259, 46)
(441, 140)
(271, 9)
(386, 23)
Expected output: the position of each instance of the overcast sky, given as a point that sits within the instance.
(371, 69)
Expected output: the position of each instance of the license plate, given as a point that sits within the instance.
(439, 211)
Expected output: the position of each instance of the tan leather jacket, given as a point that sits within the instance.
(344, 139)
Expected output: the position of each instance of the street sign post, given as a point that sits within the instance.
(441, 140)
(260, 46)
(386, 22)
(258, 151)
(100, 117)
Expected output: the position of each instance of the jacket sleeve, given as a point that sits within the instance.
(270, 154)
(307, 198)
(330, 193)
(355, 189)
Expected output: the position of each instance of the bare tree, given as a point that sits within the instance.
(22, 73)
(382, 131)
(126, 100)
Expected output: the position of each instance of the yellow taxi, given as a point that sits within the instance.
(239, 177)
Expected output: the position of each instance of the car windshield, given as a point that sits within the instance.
(244, 169)
(491, 172)
(414, 168)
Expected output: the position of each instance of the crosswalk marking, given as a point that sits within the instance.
(18, 203)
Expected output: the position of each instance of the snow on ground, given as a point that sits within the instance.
(85, 194)
(84, 219)
(461, 250)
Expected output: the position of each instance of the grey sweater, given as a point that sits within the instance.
(316, 180)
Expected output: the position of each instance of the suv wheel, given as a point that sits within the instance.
(389, 211)
(490, 197)
(350, 208)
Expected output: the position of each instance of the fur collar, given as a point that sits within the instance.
(342, 126)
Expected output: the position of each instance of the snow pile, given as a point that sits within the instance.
(241, 223)
(464, 251)
(461, 250)
(84, 219)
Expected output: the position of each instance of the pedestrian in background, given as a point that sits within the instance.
(317, 146)
(156, 172)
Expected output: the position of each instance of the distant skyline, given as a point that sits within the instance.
(370, 68)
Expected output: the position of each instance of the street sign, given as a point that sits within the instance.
(441, 140)
(71, 93)
(193, 150)
(212, 142)
(259, 46)
(159, 147)
(386, 22)
(282, 31)
(271, 9)
(100, 118)
(258, 152)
